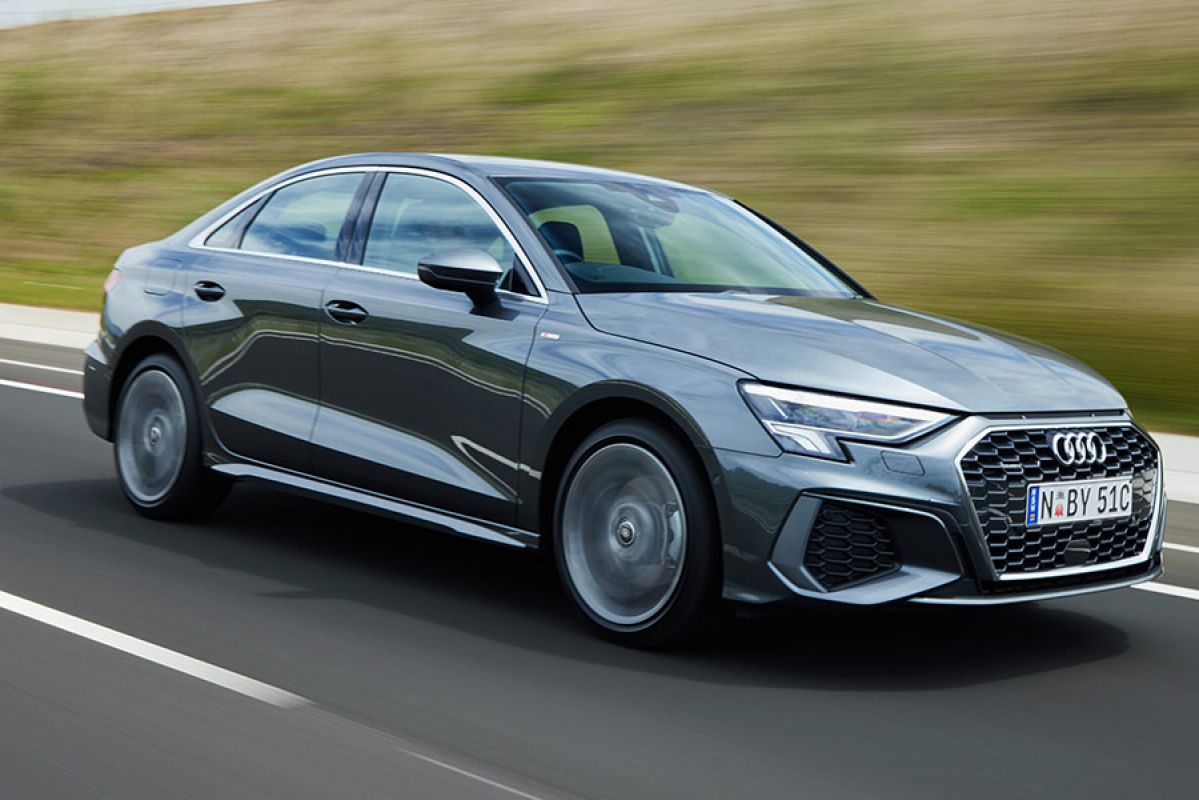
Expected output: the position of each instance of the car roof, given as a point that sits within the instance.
(485, 166)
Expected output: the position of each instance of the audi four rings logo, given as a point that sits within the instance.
(1076, 449)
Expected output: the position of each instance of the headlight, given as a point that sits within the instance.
(812, 424)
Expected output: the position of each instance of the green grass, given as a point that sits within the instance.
(1030, 165)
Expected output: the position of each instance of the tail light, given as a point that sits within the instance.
(112, 280)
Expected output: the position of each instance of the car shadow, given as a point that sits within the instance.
(514, 597)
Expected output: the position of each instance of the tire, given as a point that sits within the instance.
(635, 536)
(157, 444)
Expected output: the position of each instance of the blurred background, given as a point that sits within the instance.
(1031, 165)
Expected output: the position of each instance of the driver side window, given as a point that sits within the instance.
(418, 216)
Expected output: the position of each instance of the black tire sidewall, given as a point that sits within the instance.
(698, 591)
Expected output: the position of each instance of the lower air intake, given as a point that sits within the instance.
(848, 545)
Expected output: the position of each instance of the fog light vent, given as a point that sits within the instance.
(848, 544)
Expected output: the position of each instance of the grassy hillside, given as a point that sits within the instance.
(1031, 165)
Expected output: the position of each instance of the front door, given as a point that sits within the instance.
(420, 390)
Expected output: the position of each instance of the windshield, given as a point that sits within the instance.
(618, 236)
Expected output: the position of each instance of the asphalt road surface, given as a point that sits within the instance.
(359, 658)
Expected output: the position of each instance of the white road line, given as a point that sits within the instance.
(1182, 548)
(34, 387)
(467, 773)
(45, 367)
(1165, 588)
(151, 652)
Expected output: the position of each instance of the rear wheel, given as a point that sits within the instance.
(157, 444)
(635, 538)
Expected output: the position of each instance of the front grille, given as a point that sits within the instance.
(999, 468)
(848, 545)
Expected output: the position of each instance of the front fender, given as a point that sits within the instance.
(574, 370)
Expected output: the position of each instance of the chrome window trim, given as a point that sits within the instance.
(1063, 572)
(197, 242)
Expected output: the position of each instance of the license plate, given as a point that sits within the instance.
(1078, 501)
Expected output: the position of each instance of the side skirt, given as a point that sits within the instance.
(388, 507)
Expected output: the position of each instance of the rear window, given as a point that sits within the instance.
(304, 218)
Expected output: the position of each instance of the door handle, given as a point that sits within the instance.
(345, 312)
(209, 291)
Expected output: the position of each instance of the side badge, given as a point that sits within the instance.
(553, 337)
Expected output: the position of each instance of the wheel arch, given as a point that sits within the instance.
(139, 343)
(587, 411)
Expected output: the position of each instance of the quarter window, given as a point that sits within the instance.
(418, 216)
(229, 235)
(304, 218)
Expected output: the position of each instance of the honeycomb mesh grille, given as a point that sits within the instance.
(999, 468)
(848, 545)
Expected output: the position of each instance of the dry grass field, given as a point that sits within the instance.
(1031, 165)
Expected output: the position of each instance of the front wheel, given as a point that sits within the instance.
(157, 445)
(635, 540)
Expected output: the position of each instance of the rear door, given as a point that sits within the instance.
(421, 391)
(252, 314)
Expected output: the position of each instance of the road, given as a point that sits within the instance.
(425, 666)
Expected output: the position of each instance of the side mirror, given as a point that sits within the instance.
(468, 269)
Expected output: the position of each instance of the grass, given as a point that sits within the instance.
(1030, 165)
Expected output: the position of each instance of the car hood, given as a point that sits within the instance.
(858, 347)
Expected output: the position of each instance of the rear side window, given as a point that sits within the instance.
(417, 216)
(304, 218)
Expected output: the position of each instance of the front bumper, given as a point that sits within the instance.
(1122, 578)
(894, 524)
